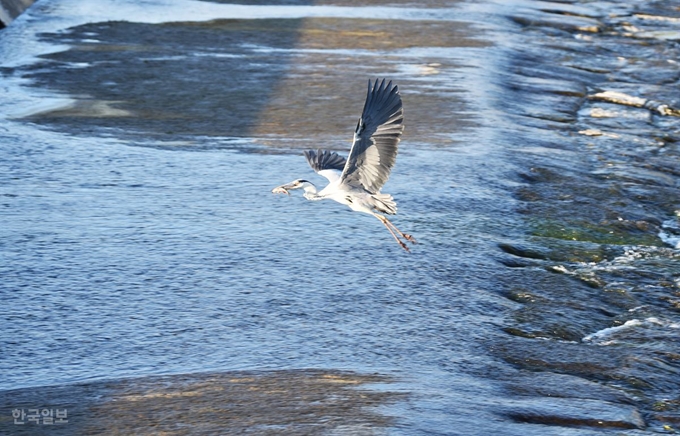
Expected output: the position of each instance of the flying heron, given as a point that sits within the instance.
(356, 182)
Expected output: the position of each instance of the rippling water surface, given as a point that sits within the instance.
(140, 236)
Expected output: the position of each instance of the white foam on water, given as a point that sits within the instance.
(670, 232)
(607, 336)
(605, 333)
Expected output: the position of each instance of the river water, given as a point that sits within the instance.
(139, 236)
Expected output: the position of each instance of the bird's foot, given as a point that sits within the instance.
(409, 238)
(404, 246)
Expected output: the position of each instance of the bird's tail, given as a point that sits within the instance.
(384, 203)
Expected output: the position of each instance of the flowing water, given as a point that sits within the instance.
(139, 237)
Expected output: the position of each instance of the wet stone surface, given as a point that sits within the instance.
(143, 79)
(599, 279)
(300, 402)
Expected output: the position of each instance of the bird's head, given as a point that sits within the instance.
(295, 184)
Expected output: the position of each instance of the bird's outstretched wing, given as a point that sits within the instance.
(376, 137)
(327, 163)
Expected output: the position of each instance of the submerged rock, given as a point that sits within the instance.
(571, 23)
(228, 403)
(574, 412)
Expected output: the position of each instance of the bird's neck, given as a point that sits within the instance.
(310, 192)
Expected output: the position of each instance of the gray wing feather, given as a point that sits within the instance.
(376, 138)
(321, 160)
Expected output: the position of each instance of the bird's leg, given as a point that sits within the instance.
(385, 221)
(406, 236)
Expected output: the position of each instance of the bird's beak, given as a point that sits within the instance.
(283, 189)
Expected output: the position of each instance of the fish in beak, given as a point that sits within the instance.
(295, 184)
(280, 190)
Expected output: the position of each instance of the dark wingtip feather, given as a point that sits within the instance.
(321, 160)
(380, 127)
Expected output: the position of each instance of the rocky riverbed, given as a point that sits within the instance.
(597, 277)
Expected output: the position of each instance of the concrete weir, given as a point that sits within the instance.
(10, 9)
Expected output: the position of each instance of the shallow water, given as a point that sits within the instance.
(140, 236)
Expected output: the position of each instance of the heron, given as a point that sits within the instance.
(357, 180)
